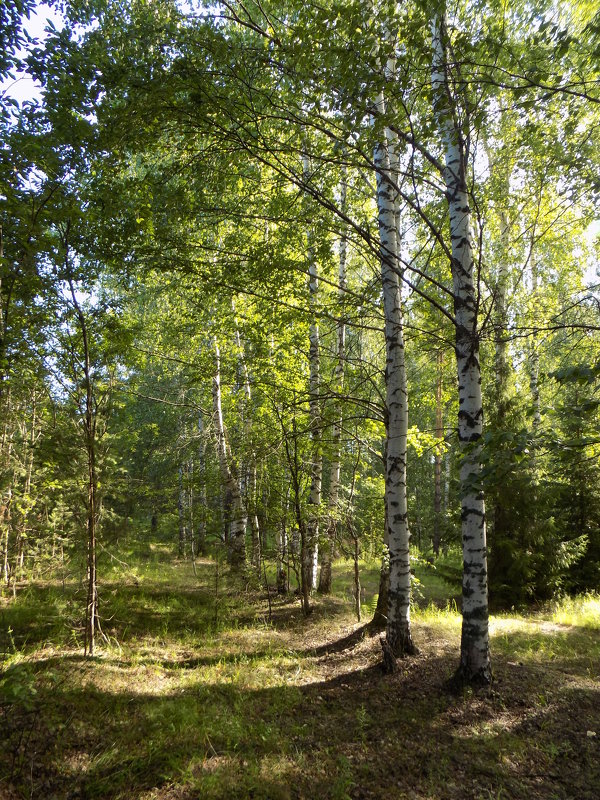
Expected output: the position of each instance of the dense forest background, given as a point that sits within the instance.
(245, 248)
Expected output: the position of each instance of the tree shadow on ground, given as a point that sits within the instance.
(356, 734)
(344, 643)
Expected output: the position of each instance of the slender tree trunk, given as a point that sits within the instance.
(201, 541)
(534, 358)
(6, 500)
(26, 495)
(357, 589)
(379, 620)
(181, 510)
(310, 564)
(249, 468)
(282, 548)
(6, 524)
(336, 431)
(475, 665)
(439, 435)
(92, 620)
(380, 616)
(398, 631)
(294, 466)
(238, 518)
(502, 365)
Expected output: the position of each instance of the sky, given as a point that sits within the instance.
(24, 88)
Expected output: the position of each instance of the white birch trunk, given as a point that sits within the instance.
(439, 435)
(237, 523)
(475, 663)
(398, 633)
(381, 611)
(534, 375)
(311, 559)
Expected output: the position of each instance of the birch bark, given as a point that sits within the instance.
(398, 632)
(310, 562)
(475, 663)
(439, 435)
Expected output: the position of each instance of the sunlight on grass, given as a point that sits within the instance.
(546, 642)
(448, 618)
(182, 702)
(583, 611)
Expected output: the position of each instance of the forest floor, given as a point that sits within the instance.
(198, 696)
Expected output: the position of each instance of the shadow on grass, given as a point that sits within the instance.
(344, 643)
(359, 734)
(191, 734)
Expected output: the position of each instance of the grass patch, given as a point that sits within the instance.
(192, 698)
(582, 611)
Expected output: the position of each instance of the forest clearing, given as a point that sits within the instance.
(197, 696)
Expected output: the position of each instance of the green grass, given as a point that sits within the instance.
(190, 697)
(583, 611)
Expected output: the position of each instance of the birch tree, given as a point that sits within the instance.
(398, 632)
(310, 564)
(475, 664)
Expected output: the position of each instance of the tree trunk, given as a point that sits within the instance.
(439, 435)
(282, 548)
(92, 621)
(201, 540)
(181, 511)
(298, 542)
(5, 519)
(336, 431)
(249, 468)
(398, 632)
(357, 589)
(237, 522)
(6, 499)
(310, 563)
(475, 665)
(534, 358)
